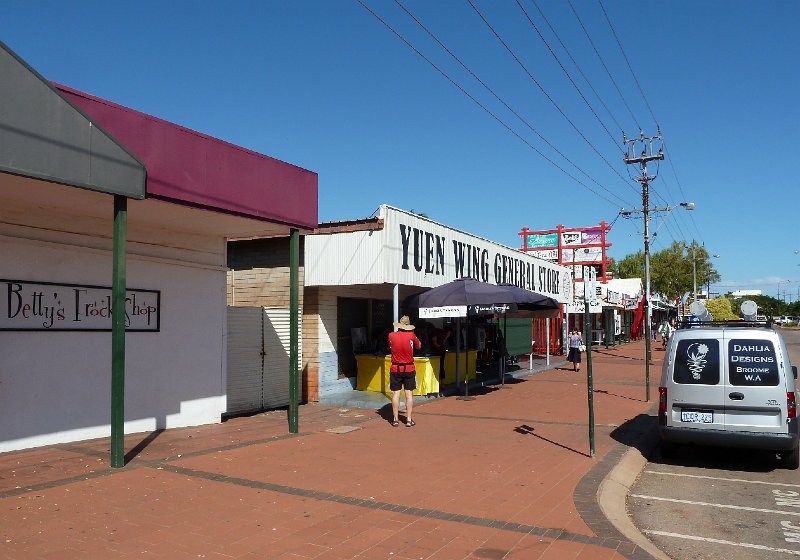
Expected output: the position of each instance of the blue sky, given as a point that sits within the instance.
(326, 86)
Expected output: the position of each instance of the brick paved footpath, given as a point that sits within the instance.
(507, 475)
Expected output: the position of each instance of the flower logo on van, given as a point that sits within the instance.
(697, 358)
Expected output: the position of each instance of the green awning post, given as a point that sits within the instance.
(118, 289)
(294, 321)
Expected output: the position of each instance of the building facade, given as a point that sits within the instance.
(69, 162)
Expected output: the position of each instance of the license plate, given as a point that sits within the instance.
(698, 416)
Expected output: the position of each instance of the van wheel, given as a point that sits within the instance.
(791, 459)
(668, 449)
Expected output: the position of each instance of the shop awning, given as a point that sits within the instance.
(44, 137)
(191, 168)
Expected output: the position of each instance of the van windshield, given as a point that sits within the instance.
(697, 362)
(752, 363)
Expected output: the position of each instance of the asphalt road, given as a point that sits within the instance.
(715, 504)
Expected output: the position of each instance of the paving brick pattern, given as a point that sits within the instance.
(505, 476)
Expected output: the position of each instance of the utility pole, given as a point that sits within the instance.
(639, 151)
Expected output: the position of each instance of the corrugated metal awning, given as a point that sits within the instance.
(45, 137)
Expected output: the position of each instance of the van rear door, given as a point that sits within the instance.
(755, 391)
(695, 396)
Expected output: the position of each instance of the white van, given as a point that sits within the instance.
(729, 386)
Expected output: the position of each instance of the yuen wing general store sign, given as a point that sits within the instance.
(414, 251)
(44, 306)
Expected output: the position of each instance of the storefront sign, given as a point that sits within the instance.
(496, 309)
(595, 306)
(43, 306)
(591, 236)
(613, 297)
(582, 254)
(444, 311)
(411, 250)
(629, 303)
(542, 240)
(546, 254)
(571, 238)
(429, 250)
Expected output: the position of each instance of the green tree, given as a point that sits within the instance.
(632, 266)
(721, 309)
(671, 270)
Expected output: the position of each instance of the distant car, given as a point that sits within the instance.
(729, 386)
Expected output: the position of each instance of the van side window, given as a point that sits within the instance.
(752, 363)
(697, 362)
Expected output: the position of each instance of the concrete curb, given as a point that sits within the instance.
(613, 493)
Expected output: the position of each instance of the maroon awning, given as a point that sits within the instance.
(187, 167)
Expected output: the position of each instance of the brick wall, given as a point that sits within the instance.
(258, 274)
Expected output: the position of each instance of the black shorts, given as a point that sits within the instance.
(407, 380)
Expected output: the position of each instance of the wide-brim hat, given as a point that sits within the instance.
(404, 324)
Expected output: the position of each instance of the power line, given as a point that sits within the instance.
(628, 62)
(580, 70)
(546, 94)
(652, 114)
(566, 72)
(666, 151)
(474, 100)
(624, 101)
(500, 99)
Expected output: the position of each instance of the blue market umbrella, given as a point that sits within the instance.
(531, 301)
(464, 291)
(470, 292)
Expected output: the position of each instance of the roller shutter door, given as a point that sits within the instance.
(258, 358)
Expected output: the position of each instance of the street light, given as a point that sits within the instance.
(779, 288)
(694, 271)
(708, 285)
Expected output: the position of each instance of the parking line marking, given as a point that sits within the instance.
(720, 541)
(725, 479)
(725, 506)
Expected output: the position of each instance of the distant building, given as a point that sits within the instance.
(746, 293)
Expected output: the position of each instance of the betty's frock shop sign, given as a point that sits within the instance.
(45, 306)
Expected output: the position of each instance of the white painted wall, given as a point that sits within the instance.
(55, 386)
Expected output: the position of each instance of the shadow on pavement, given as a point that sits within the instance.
(613, 355)
(529, 431)
(610, 394)
(720, 458)
(142, 445)
(640, 432)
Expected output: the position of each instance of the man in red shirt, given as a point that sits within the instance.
(403, 374)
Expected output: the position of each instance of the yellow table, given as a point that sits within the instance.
(373, 372)
(450, 366)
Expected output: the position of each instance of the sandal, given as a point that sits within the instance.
(395, 423)
(410, 423)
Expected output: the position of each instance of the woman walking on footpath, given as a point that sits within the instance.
(574, 356)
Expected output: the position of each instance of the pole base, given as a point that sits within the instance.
(465, 398)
